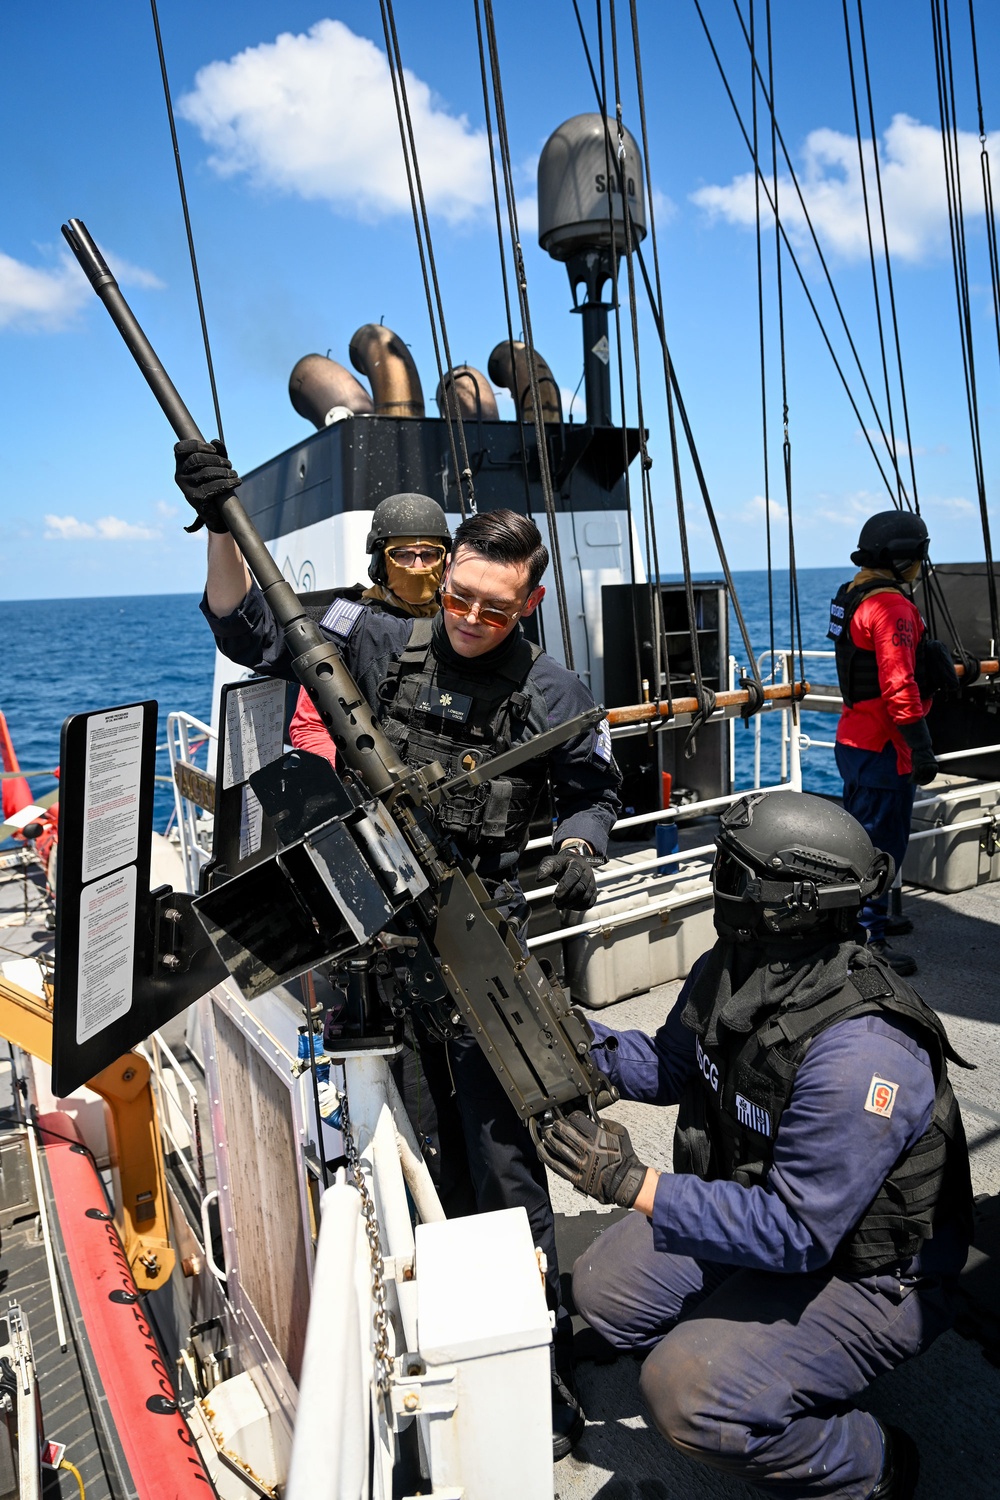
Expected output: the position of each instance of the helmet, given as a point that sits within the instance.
(403, 515)
(788, 862)
(892, 539)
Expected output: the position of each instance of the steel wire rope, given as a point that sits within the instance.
(944, 68)
(888, 258)
(673, 387)
(636, 632)
(614, 171)
(522, 437)
(187, 221)
(863, 174)
(763, 361)
(794, 615)
(525, 311)
(652, 542)
(790, 250)
(418, 205)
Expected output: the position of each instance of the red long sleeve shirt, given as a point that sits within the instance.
(890, 625)
(307, 730)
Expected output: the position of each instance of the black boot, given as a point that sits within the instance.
(900, 1466)
(902, 963)
(568, 1420)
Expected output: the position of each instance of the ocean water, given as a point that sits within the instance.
(66, 656)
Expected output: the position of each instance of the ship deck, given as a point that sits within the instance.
(948, 1398)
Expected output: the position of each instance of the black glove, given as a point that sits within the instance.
(573, 870)
(597, 1158)
(205, 476)
(918, 737)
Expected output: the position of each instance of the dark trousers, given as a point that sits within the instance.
(882, 801)
(478, 1152)
(755, 1373)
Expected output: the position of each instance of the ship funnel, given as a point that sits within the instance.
(323, 391)
(508, 366)
(469, 395)
(581, 221)
(381, 355)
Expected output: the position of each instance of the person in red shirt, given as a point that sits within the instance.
(884, 747)
(408, 542)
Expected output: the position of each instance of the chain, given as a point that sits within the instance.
(380, 1320)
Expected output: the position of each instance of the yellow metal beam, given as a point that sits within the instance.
(142, 1205)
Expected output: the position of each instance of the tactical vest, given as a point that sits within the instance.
(730, 1113)
(857, 669)
(431, 711)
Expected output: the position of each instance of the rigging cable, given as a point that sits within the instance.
(626, 459)
(940, 20)
(187, 222)
(521, 279)
(655, 306)
(862, 173)
(763, 362)
(794, 616)
(614, 168)
(790, 251)
(418, 205)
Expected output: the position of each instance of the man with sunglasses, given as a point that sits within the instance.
(461, 688)
(819, 1210)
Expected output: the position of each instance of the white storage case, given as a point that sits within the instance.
(657, 945)
(954, 861)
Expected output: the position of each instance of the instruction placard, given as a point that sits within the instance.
(111, 790)
(107, 943)
(255, 725)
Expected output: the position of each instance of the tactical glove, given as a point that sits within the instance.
(573, 870)
(595, 1156)
(205, 476)
(918, 737)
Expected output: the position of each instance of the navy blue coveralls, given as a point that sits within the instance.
(757, 1347)
(502, 1163)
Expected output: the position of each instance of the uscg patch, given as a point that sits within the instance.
(881, 1096)
(602, 741)
(342, 616)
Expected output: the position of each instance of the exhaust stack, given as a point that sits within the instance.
(381, 355)
(508, 366)
(465, 392)
(321, 390)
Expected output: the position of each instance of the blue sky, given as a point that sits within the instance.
(303, 233)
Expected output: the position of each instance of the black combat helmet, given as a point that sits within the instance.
(403, 515)
(788, 862)
(893, 539)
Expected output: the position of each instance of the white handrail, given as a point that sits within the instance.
(638, 914)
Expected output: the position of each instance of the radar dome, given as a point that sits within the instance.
(573, 201)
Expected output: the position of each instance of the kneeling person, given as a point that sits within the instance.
(820, 1205)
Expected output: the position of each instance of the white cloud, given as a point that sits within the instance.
(849, 510)
(314, 114)
(40, 298)
(165, 509)
(913, 184)
(754, 510)
(107, 529)
(956, 505)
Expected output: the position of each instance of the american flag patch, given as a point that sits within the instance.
(753, 1116)
(881, 1096)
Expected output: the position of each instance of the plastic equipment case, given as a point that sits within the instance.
(955, 861)
(628, 958)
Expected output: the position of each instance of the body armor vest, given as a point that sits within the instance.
(857, 669)
(730, 1112)
(435, 711)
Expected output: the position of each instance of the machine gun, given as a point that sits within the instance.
(374, 881)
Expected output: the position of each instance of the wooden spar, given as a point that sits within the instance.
(639, 713)
(986, 669)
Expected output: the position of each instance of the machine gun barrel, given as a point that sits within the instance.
(316, 661)
(538, 1048)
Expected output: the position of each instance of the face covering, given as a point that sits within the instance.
(413, 585)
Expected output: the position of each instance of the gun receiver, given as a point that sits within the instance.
(521, 1018)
